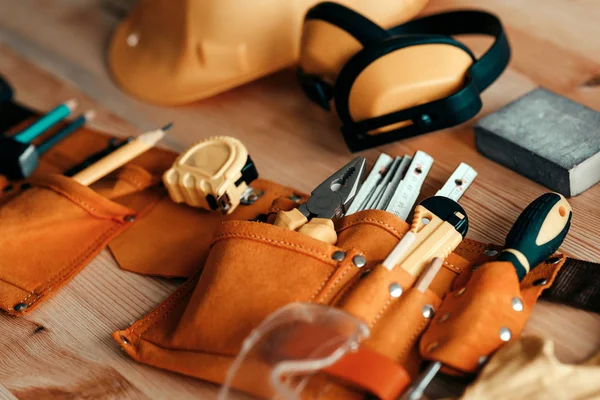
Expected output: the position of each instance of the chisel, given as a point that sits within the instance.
(535, 236)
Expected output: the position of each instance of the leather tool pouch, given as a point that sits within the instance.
(253, 269)
(50, 231)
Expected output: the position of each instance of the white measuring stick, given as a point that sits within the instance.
(407, 192)
(458, 183)
(381, 165)
(374, 199)
(396, 179)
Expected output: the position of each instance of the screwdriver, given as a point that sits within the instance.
(536, 234)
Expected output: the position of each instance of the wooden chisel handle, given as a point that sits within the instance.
(538, 233)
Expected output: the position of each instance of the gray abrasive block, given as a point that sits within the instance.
(547, 138)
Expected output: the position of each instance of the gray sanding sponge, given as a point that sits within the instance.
(547, 138)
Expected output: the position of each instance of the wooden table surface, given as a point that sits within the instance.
(54, 50)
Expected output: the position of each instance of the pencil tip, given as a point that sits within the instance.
(71, 104)
(89, 115)
(167, 127)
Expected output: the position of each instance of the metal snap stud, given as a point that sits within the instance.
(459, 292)
(295, 198)
(540, 282)
(338, 255)
(481, 360)
(395, 290)
(490, 252)
(359, 261)
(129, 218)
(20, 307)
(517, 304)
(124, 340)
(444, 317)
(505, 334)
(133, 39)
(428, 311)
(553, 260)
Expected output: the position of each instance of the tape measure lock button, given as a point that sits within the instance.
(212, 174)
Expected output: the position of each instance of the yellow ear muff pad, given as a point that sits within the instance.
(178, 51)
(388, 85)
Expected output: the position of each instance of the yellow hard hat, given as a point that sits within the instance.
(178, 51)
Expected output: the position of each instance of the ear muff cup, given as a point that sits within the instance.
(399, 73)
(411, 79)
(331, 35)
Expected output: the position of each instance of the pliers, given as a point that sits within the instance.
(328, 202)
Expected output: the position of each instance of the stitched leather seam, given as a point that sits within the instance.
(175, 298)
(75, 199)
(15, 285)
(322, 285)
(188, 294)
(374, 221)
(380, 313)
(60, 276)
(338, 280)
(262, 238)
(413, 339)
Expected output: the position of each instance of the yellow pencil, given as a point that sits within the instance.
(121, 156)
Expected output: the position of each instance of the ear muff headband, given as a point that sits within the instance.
(435, 115)
(363, 29)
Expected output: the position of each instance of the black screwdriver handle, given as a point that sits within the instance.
(538, 233)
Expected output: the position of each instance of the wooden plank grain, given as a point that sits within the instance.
(49, 47)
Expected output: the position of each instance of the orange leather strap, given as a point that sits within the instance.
(372, 372)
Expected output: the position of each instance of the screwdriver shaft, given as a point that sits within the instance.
(415, 392)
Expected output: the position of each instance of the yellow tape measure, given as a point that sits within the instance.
(212, 174)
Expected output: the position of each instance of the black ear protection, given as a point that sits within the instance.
(376, 42)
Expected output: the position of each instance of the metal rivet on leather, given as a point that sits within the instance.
(460, 292)
(133, 39)
(444, 317)
(124, 339)
(428, 311)
(481, 360)
(553, 260)
(395, 290)
(490, 252)
(359, 261)
(338, 255)
(517, 304)
(505, 334)
(432, 346)
(540, 282)
(129, 218)
(295, 198)
(20, 307)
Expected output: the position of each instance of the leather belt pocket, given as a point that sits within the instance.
(50, 232)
